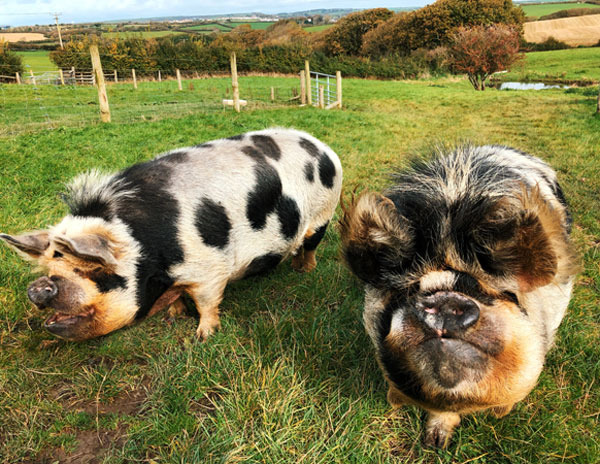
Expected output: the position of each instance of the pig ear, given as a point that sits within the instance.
(32, 245)
(538, 245)
(89, 247)
(376, 239)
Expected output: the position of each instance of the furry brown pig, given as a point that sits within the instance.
(468, 270)
(189, 221)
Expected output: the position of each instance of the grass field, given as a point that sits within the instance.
(579, 64)
(322, 27)
(145, 34)
(253, 24)
(37, 60)
(548, 8)
(291, 377)
(209, 27)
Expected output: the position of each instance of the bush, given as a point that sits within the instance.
(481, 51)
(10, 63)
(346, 36)
(549, 44)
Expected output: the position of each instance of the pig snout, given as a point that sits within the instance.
(42, 291)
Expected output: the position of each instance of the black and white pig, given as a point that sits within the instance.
(468, 269)
(186, 222)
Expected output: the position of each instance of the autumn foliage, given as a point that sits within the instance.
(483, 50)
(433, 25)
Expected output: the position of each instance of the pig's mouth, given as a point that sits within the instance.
(67, 324)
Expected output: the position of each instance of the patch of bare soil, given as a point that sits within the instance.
(92, 447)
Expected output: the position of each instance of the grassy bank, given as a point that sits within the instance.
(291, 376)
(571, 65)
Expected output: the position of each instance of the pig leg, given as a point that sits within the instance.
(177, 309)
(305, 260)
(439, 428)
(207, 303)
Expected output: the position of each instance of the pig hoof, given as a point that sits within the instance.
(437, 438)
(204, 331)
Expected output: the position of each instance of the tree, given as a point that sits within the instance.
(10, 63)
(481, 51)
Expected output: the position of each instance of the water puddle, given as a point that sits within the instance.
(529, 86)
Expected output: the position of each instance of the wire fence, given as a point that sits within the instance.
(47, 100)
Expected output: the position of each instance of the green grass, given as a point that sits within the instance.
(145, 34)
(578, 64)
(37, 60)
(322, 27)
(547, 8)
(291, 377)
(209, 27)
(253, 24)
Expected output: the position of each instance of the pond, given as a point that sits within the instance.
(528, 86)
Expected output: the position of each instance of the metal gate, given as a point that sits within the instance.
(329, 88)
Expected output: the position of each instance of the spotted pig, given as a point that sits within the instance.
(186, 222)
(468, 269)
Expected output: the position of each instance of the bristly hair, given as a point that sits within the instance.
(96, 194)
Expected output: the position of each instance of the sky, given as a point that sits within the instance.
(25, 12)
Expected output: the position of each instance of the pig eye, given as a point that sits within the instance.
(57, 254)
(512, 297)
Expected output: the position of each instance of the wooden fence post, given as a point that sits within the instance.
(18, 78)
(159, 76)
(99, 74)
(272, 94)
(321, 96)
(234, 83)
(302, 88)
(338, 86)
(307, 77)
(134, 79)
(32, 77)
(178, 79)
(116, 77)
(62, 76)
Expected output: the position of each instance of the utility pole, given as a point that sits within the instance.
(56, 15)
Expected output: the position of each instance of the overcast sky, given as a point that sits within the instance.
(23, 12)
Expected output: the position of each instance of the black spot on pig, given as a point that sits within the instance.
(326, 170)
(204, 145)
(235, 137)
(262, 264)
(213, 223)
(309, 172)
(175, 157)
(310, 147)
(289, 216)
(267, 146)
(107, 281)
(152, 215)
(263, 199)
(313, 241)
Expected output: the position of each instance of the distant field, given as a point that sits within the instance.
(22, 36)
(566, 65)
(208, 27)
(579, 30)
(253, 25)
(547, 8)
(145, 34)
(37, 60)
(318, 28)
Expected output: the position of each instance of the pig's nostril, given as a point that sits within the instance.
(42, 291)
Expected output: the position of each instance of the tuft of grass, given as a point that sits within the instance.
(291, 377)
